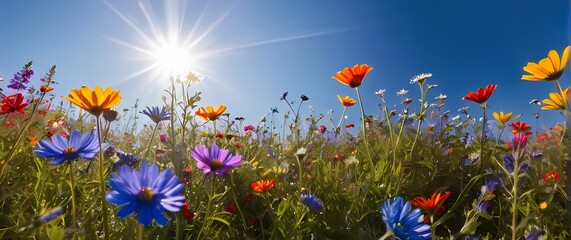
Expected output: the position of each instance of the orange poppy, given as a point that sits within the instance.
(549, 68)
(353, 77)
(346, 101)
(482, 95)
(209, 114)
(430, 205)
(262, 185)
(46, 89)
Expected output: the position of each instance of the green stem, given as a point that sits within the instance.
(151, 142)
(515, 197)
(420, 117)
(179, 231)
(236, 202)
(300, 174)
(102, 182)
(484, 120)
(73, 206)
(208, 207)
(338, 129)
(141, 231)
(364, 128)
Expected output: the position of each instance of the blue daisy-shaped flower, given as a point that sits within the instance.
(60, 148)
(402, 222)
(312, 202)
(156, 114)
(147, 192)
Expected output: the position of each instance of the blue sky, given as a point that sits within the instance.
(256, 50)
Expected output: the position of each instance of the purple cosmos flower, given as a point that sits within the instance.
(149, 193)
(312, 202)
(61, 149)
(215, 160)
(157, 115)
(22, 77)
(402, 222)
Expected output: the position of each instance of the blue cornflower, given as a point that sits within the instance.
(50, 214)
(125, 159)
(312, 202)
(157, 115)
(148, 192)
(61, 149)
(284, 96)
(304, 98)
(534, 233)
(275, 110)
(509, 164)
(402, 222)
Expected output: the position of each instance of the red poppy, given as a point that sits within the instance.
(13, 103)
(353, 77)
(219, 135)
(482, 95)
(521, 127)
(186, 212)
(551, 175)
(431, 205)
(322, 128)
(350, 125)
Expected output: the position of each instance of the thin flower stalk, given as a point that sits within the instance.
(7, 158)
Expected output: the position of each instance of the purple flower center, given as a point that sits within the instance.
(146, 194)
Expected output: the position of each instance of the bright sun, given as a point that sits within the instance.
(171, 59)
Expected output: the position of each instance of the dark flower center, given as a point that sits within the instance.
(146, 194)
(68, 150)
(215, 165)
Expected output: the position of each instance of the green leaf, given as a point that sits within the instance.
(219, 220)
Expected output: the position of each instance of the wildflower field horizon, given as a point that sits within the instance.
(202, 172)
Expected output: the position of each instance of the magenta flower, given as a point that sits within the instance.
(215, 160)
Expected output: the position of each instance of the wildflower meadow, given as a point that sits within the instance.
(76, 167)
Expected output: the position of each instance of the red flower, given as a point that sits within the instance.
(322, 128)
(350, 125)
(262, 185)
(353, 77)
(521, 127)
(219, 135)
(231, 208)
(482, 95)
(13, 103)
(551, 175)
(186, 212)
(249, 198)
(431, 205)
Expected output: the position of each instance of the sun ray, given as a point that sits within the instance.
(219, 52)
